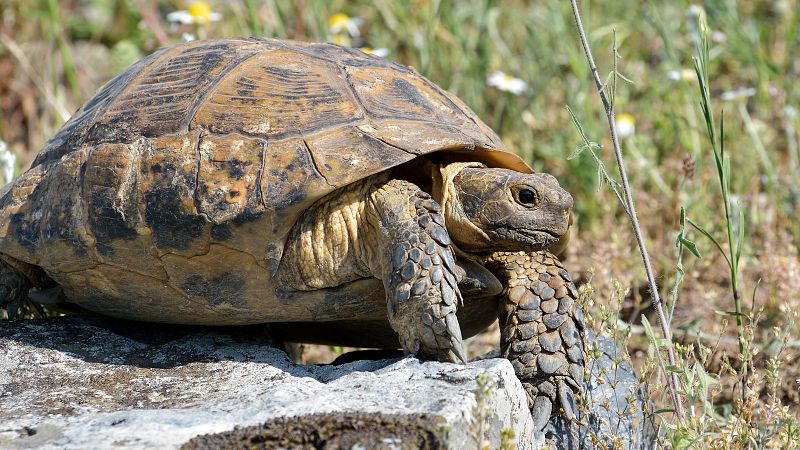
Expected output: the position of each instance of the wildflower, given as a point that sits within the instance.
(695, 11)
(8, 162)
(187, 37)
(342, 39)
(626, 125)
(683, 74)
(719, 36)
(340, 22)
(382, 52)
(199, 12)
(737, 94)
(507, 83)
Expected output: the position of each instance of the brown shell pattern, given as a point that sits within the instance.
(198, 148)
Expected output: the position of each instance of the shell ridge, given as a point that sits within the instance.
(302, 51)
(83, 208)
(352, 88)
(314, 161)
(212, 87)
(390, 144)
(260, 176)
(450, 102)
(198, 160)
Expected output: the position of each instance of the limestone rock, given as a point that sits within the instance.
(612, 381)
(91, 383)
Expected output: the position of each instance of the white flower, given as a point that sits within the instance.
(181, 16)
(187, 37)
(695, 11)
(737, 94)
(8, 161)
(199, 12)
(718, 36)
(683, 74)
(382, 52)
(507, 83)
(341, 22)
(626, 125)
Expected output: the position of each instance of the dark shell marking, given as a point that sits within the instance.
(224, 142)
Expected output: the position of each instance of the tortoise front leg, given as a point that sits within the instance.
(412, 255)
(542, 330)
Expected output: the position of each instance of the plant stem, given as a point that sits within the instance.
(612, 124)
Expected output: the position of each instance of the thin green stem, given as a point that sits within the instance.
(612, 124)
(724, 177)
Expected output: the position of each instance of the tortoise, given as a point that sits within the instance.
(342, 198)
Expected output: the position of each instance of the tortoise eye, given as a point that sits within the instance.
(527, 197)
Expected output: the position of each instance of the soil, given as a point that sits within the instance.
(331, 431)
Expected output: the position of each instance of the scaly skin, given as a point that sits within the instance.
(13, 288)
(16, 279)
(542, 330)
(421, 287)
(393, 231)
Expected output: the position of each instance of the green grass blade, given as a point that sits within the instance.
(710, 237)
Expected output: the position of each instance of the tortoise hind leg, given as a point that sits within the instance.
(14, 288)
(16, 279)
(542, 331)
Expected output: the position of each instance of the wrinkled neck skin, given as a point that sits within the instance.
(444, 192)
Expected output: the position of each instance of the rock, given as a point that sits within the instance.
(624, 424)
(94, 383)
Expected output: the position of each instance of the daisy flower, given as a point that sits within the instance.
(382, 52)
(199, 12)
(507, 83)
(8, 162)
(341, 22)
(737, 94)
(626, 125)
(688, 75)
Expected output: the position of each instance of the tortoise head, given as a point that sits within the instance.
(491, 209)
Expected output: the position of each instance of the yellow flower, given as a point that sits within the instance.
(687, 75)
(341, 39)
(626, 125)
(382, 52)
(199, 12)
(341, 22)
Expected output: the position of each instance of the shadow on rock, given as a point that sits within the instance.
(163, 346)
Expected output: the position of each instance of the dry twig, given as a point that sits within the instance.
(631, 211)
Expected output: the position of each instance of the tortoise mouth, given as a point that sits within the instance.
(540, 239)
(516, 239)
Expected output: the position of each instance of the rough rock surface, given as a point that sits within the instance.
(617, 406)
(91, 383)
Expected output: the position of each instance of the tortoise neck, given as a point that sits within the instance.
(462, 231)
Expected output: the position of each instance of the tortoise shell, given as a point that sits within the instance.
(169, 195)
